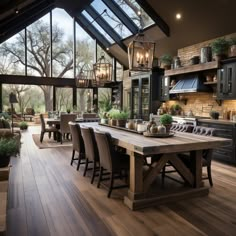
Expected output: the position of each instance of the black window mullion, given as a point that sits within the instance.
(112, 33)
(124, 18)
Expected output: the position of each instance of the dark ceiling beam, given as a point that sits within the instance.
(92, 31)
(124, 18)
(108, 29)
(23, 20)
(7, 5)
(35, 80)
(156, 18)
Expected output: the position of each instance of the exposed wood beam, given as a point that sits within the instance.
(35, 80)
(157, 19)
(124, 18)
(108, 29)
(16, 24)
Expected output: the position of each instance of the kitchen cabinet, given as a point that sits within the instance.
(226, 76)
(145, 93)
(226, 129)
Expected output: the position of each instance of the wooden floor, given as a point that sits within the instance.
(47, 196)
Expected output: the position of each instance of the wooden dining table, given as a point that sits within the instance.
(139, 147)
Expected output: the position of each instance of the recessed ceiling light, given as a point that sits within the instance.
(178, 16)
(16, 11)
(139, 13)
(107, 49)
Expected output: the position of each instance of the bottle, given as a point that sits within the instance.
(150, 123)
(153, 129)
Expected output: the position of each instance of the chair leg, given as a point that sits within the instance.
(100, 176)
(86, 167)
(79, 161)
(209, 175)
(49, 135)
(94, 171)
(163, 176)
(41, 137)
(111, 185)
(61, 137)
(72, 158)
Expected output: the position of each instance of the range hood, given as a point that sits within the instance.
(190, 84)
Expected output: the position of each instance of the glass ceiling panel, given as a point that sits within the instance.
(111, 19)
(97, 26)
(132, 8)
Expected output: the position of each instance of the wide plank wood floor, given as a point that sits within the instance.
(47, 196)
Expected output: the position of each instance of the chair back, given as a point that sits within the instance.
(90, 145)
(65, 119)
(42, 122)
(204, 131)
(77, 139)
(105, 149)
(89, 115)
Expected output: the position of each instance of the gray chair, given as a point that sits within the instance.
(91, 150)
(110, 160)
(77, 144)
(206, 154)
(64, 124)
(45, 129)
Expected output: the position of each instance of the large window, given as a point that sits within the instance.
(12, 55)
(84, 100)
(28, 96)
(64, 99)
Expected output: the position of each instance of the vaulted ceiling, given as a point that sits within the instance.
(202, 20)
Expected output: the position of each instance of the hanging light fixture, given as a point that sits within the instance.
(102, 71)
(84, 77)
(140, 51)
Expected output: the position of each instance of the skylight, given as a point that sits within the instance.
(97, 26)
(132, 9)
(111, 19)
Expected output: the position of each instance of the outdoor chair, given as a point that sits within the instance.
(64, 126)
(77, 144)
(110, 160)
(91, 150)
(45, 129)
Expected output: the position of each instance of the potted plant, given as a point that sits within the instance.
(176, 109)
(166, 61)
(121, 118)
(220, 47)
(113, 114)
(23, 125)
(104, 117)
(68, 110)
(8, 147)
(166, 120)
(214, 115)
(232, 47)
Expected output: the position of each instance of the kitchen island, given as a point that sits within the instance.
(140, 193)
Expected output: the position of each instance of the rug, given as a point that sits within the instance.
(49, 143)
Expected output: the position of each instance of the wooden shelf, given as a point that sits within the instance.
(193, 68)
(209, 83)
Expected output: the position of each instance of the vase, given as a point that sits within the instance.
(121, 122)
(168, 126)
(4, 161)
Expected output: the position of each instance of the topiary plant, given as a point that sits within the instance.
(166, 119)
(214, 115)
(23, 125)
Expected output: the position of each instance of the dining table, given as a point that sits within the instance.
(142, 178)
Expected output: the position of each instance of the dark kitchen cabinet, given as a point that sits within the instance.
(226, 153)
(226, 77)
(145, 93)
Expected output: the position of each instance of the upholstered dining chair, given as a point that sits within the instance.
(77, 143)
(206, 154)
(110, 160)
(64, 124)
(45, 129)
(91, 150)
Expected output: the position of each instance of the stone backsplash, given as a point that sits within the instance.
(202, 103)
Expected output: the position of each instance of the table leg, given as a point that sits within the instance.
(196, 167)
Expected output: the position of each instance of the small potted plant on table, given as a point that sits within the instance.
(166, 120)
(214, 115)
(23, 125)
